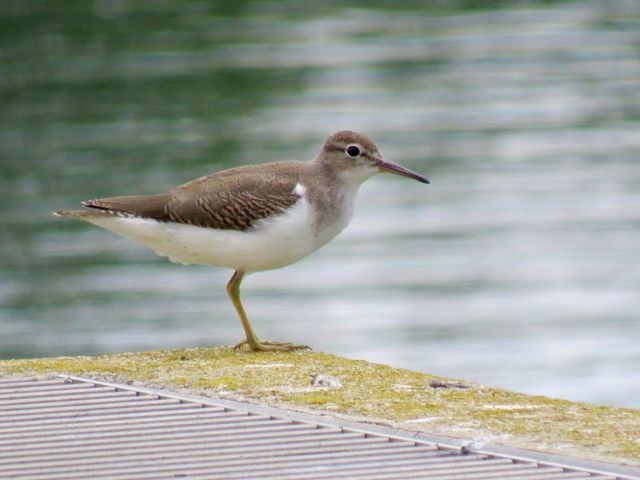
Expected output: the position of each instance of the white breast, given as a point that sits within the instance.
(272, 243)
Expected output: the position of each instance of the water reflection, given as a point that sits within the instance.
(516, 267)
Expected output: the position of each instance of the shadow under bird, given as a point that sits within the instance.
(250, 218)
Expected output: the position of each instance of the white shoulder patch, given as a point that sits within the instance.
(299, 189)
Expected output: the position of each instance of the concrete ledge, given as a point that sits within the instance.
(371, 393)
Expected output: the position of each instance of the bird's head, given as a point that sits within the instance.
(357, 158)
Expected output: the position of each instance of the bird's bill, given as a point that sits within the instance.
(391, 167)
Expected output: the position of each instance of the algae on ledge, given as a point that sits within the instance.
(379, 393)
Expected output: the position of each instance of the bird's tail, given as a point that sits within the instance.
(83, 214)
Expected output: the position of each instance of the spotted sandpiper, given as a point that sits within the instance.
(250, 218)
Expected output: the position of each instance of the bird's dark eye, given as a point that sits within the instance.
(353, 151)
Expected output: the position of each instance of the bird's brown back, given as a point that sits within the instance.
(233, 199)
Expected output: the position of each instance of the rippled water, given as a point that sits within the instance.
(517, 267)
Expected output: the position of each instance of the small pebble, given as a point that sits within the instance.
(472, 446)
(323, 380)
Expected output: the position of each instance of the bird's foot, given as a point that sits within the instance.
(270, 346)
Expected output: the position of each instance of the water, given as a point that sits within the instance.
(517, 267)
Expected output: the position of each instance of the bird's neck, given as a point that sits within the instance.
(332, 195)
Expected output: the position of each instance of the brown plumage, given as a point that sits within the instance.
(233, 199)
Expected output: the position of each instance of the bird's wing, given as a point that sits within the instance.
(237, 198)
(233, 199)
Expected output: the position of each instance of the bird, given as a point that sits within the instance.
(250, 218)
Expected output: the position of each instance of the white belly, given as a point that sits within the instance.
(273, 243)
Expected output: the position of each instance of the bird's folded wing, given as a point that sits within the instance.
(211, 202)
(229, 211)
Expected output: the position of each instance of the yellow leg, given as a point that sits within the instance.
(233, 289)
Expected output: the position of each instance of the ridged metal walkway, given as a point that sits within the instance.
(65, 428)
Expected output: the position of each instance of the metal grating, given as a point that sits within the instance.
(69, 428)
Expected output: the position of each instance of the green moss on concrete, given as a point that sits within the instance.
(378, 392)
